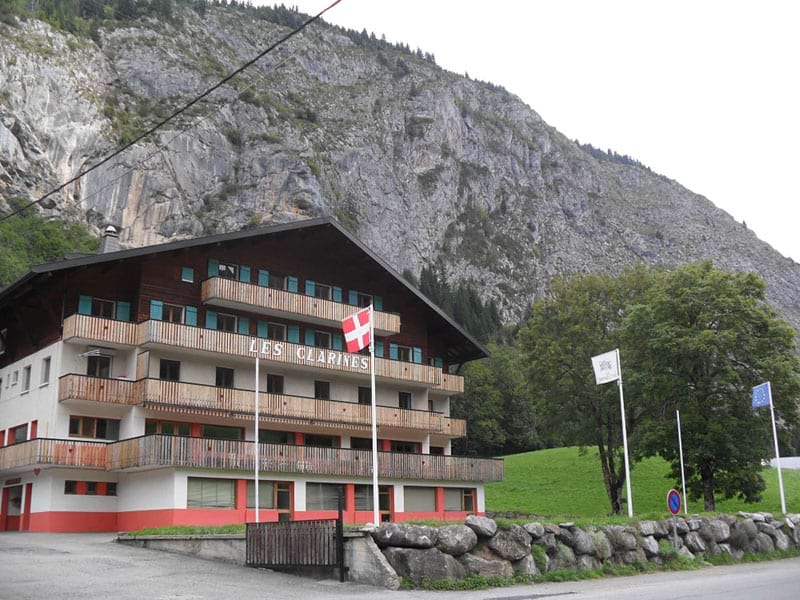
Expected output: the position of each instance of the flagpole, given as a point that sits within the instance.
(777, 452)
(624, 438)
(680, 450)
(256, 441)
(375, 494)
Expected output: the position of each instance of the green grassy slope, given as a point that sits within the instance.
(562, 482)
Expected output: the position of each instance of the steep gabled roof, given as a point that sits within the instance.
(469, 350)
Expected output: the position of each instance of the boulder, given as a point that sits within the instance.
(562, 558)
(695, 542)
(456, 539)
(731, 551)
(716, 530)
(525, 566)
(695, 522)
(483, 526)
(602, 547)
(405, 536)
(536, 530)
(630, 557)
(781, 541)
(476, 565)
(729, 519)
(418, 565)
(650, 546)
(583, 542)
(511, 544)
(586, 562)
(565, 536)
(763, 543)
(622, 538)
(680, 525)
(742, 535)
(684, 552)
(554, 529)
(548, 540)
(647, 527)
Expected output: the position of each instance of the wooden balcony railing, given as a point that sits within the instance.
(253, 298)
(153, 451)
(99, 389)
(97, 329)
(61, 453)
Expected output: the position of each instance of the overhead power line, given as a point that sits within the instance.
(175, 114)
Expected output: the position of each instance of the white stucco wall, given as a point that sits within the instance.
(38, 403)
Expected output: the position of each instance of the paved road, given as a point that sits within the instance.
(56, 566)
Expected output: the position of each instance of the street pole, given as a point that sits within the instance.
(624, 438)
(255, 441)
(375, 494)
(777, 452)
(680, 450)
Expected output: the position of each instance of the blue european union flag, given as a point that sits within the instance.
(762, 395)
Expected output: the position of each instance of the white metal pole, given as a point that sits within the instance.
(680, 450)
(777, 452)
(624, 438)
(255, 441)
(375, 494)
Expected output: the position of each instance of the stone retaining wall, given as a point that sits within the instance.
(453, 552)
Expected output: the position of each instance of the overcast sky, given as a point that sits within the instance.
(707, 93)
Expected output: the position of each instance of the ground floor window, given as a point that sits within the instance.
(364, 497)
(323, 496)
(90, 488)
(419, 499)
(271, 495)
(270, 436)
(362, 443)
(220, 432)
(94, 428)
(459, 499)
(205, 492)
(321, 441)
(152, 427)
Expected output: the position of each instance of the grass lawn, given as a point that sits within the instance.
(191, 530)
(562, 482)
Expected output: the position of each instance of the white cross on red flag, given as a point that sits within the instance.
(357, 331)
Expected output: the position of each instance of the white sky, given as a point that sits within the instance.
(707, 93)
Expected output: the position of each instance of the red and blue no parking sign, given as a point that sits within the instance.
(674, 501)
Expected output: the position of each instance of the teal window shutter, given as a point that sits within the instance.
(309, 287)
(211, 319)
(337, 294)
(291, 284)
(85, 305)
(352, 298)
(244, 274)
(263, 278)
(309, 337)
(393, 351)
(262, 330)
(379, 349)
(123, 311)
(191, 316)
(244, 325)
(213, 267)
(187, 274)
(156, 310)
(293, 334)
(337, 341)
(377, 303)
(438, 363)
(418, 355)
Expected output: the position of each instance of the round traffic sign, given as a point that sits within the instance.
(674, 501)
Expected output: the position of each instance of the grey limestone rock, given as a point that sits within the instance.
(695, 542)
(418, 564)
(536, 530)
(583, 543)
(763, 543)
(647, 527)
(621, 538)
(525, 566)
(483, 526)
(477, 565)
(562, 558)
(650, 546)
(586, 562)
(456, 539)
(603, 549)
(405, 536)
(511, 544)
(715, 530)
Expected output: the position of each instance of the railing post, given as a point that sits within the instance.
(340, 535)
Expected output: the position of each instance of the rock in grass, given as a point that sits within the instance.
(536, 530)
(405, 536)
(477, 565)
(483, 526)
(511, 544)
(525, 566)
(456, 539)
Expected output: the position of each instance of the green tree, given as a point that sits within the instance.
(580, 318)
(705, 338)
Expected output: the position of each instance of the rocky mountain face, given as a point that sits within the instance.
(424, 165)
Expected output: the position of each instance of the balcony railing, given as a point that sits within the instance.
(253, 298)
(193, 398)
(61, 453)
(98, 329)
(153, 451)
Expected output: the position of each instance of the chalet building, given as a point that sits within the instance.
(127, 387)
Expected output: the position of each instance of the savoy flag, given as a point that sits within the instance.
(606, 368)
(356, 330)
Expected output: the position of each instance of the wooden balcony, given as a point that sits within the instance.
(230, 293)
(155, 451)
(85, 328)
(99, 389)
(49, 452)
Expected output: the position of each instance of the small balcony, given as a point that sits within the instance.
(56, 453)
(160, 451)
(97, 330)
(99, 389)
(247, 297)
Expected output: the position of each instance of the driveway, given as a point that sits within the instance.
(86, 566)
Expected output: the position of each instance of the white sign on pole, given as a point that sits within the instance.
(606, 368)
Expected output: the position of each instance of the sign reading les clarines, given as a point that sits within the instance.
(308, 355)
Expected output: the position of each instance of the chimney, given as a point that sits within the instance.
(109, 241)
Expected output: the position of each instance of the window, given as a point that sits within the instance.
(276, 331)
(322, 291)
(98, 366)
(405, 399)
(364, 498)
(226, 322)
(439, 450)
(18, 434)
(364, 395)
(419, 499)
(169, 370)
(167, 428)
(430, 405)
(268, 436)
(3, 338)
(220, 432)
(363, 300)
(322, 339)
(405, 447)
(111, 488)
(70, 487)
(459, 499)
(187, 274)
(274, 384)
(26, 378)
(102, 308)
(15, 378)
(94, 428)
(172, 313)
(362, 443)
(404, 353)
(322, 390)
(45, 377)
(210, 493)
(91, 488)
(224, 377)
(323, 496)
(228, 271)
(321, 441)
(266, 494)
(277, 282)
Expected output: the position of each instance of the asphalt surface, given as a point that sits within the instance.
(88, 566)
